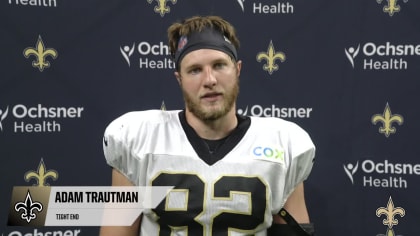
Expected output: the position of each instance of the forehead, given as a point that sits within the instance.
(203, 56)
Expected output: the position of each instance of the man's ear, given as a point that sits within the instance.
(238, 67)
(178, 77)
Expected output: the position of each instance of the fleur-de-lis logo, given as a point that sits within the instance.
(41, 175)
(162, 8)
(271, 56)
(163, 106)
(387, 119)
(392, 6)
(28, 207)
(390, 212)
(41, 53)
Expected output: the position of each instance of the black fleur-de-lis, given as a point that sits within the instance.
(28, 208)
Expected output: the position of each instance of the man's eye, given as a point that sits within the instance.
(219, 65)
(194, 71)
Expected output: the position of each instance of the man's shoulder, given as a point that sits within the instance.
(137, 119)
(152, 116)
(273, 122)
(278, 125)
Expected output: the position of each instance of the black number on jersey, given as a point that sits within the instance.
(187, 217)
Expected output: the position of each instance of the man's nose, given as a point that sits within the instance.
(209, 77)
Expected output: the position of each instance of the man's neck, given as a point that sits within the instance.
(213, 129)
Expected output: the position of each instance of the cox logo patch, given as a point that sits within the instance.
(268, 153)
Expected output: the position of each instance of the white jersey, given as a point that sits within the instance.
(235, 195)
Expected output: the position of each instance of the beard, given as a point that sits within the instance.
(213, 112)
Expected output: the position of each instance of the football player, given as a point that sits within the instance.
(232, 174)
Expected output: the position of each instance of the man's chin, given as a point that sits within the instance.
(210, 114)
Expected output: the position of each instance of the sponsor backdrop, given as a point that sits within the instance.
(346, 71)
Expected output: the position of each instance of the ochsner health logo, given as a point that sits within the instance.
(352, 53)
(274, 111)
(126, 52)
(3, 115)
(149, 55)
(274, 7)
(380, 174)
(241, 3)
(350, 170)
(37, 118)
(381, 56)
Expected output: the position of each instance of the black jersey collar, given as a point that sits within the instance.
(201, 147)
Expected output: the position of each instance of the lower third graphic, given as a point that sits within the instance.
(81, 205)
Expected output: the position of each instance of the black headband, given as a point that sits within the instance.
(208, 38)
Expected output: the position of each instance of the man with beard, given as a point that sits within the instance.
(232, 175)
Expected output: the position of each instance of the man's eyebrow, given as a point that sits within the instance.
(216, 60)
(194, 65)
(221, 60)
